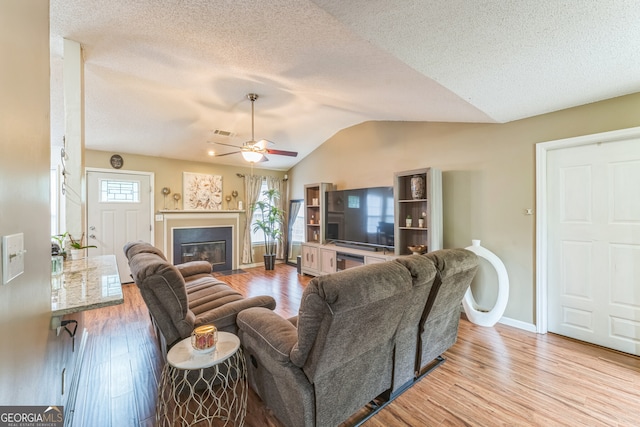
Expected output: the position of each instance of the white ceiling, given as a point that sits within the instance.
(162, 75)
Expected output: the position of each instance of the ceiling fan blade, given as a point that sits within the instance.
(263, 159)
(226, 154)
(228, 145)
(282, 152)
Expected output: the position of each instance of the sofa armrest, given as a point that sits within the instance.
(225, 316)
(192, 268)
(276, 336)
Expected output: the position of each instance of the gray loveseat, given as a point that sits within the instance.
(184, 296)
(364, 334)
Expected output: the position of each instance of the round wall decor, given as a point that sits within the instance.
(116, 161)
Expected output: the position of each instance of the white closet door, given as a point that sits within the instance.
(594, 243)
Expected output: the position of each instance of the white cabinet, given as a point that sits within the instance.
(373, 259)
(327, 261)
(317, 260)
(310, 259)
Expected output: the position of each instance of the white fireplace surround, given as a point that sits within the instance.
(200, 219)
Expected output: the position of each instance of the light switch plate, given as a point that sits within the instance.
(12, 257)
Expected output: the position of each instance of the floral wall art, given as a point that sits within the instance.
(201, 191)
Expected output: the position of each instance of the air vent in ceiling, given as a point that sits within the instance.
(225, 133)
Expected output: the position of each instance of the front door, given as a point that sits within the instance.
(594, 243)
(118, 211)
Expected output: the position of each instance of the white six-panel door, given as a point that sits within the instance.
(593, 259)
(118, 211)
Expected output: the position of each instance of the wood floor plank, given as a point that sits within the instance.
(499, 376)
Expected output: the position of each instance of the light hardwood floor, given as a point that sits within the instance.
(498, 376)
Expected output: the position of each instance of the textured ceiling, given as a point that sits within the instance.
(162, 75)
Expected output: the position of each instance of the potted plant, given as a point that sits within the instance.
(58, 248)
(409, 221)
(269, 220)
(77, 246)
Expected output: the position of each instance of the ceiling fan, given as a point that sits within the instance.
(254, 151)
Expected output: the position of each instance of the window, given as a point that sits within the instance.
(257, 237)
(119, 191)
(297, 230)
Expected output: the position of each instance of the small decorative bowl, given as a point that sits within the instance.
(204, 338)
(418, 249)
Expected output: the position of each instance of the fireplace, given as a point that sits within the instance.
(211, 244)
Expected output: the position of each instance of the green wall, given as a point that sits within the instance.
(168, 173)
(488, 175)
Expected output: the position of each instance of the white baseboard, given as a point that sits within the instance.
(529, 327)
(258, 264)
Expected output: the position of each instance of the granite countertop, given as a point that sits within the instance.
(86, 284)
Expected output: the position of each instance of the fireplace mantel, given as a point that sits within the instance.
(198, 211)
(172, 219)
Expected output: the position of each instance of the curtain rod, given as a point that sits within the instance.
(241, 175)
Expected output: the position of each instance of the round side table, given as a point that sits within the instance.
(197, 387)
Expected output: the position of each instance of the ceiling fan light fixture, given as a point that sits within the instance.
(252, 156)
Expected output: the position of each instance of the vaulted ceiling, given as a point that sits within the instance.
(161, 76)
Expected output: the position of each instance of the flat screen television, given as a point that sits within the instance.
(360, 217)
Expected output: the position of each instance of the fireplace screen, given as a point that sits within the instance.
(213, 252)
(212, 244)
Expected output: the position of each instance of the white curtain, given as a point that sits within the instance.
(294, 207)
(252, 184)
(277, 184)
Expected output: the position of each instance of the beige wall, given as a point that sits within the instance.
(168, 173)
(488, 175)
(25, 303)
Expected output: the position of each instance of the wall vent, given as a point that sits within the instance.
(225, 133)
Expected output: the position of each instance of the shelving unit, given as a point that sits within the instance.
(314, 211)
(427, 205)
(314, 195)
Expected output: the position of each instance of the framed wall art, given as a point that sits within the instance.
(202, 191)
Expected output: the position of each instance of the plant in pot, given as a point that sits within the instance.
(269, 220)
(409, 221)
(58, 248)
(78, 247)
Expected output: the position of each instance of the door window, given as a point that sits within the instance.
(119, 191)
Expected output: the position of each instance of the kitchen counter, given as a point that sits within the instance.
(85, 284)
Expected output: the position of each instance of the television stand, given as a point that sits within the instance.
(357, 246)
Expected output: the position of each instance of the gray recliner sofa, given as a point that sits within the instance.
(361, 336)
(438, 327)
(184, 296)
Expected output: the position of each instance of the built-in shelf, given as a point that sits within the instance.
(427, 206)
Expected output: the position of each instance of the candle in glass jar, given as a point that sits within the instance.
(204, 337)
